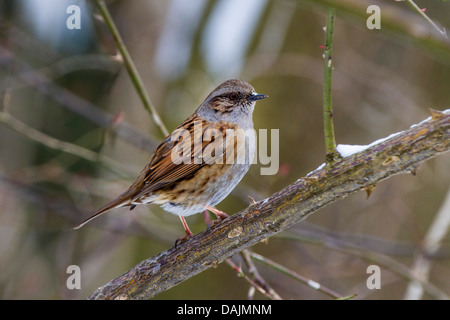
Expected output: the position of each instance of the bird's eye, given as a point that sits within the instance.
(233, 96)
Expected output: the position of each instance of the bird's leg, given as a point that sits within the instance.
(206, 217)
(220, 214)
(188, 231)
(186, 227)
(207, 220)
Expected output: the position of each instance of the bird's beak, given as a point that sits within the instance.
(256, 96)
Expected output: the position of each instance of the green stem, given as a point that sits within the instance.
(129, 65)
(330, 142)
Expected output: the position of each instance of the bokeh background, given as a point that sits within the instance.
(71, 86)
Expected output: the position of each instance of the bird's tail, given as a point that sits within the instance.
(116, 203)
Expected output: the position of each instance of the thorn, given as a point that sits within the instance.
(424, 9)
(413, 169)
(117, 57)
(265, 241)
(322, 46)
(252, 201)
(436, 114)
(369, 190)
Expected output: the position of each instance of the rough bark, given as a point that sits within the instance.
(401, 153)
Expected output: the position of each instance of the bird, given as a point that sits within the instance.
(196, 166)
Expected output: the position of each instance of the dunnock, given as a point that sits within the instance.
(202, 161)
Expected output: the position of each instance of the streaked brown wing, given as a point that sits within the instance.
(162, 171)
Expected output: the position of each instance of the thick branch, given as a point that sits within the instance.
(401, 153)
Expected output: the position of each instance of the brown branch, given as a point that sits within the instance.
(401, 153)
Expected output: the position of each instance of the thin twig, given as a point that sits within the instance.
(129, 65)
(59, 145)
(310, 283)
(427, 18)
(246, 255)
(330, 141)
(240, 273)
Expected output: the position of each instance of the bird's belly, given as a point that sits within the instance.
(209, 186)
(188, 199)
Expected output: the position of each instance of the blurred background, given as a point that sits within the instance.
(74, 135)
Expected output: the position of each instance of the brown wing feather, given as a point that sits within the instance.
(161, 171)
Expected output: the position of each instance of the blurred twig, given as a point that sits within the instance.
(71, 64)
(246, 256)
(310, 233)
(129, 65)
(310, 283)
(59, 145)
(431, 244)
(28, 75)
(253, 283)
